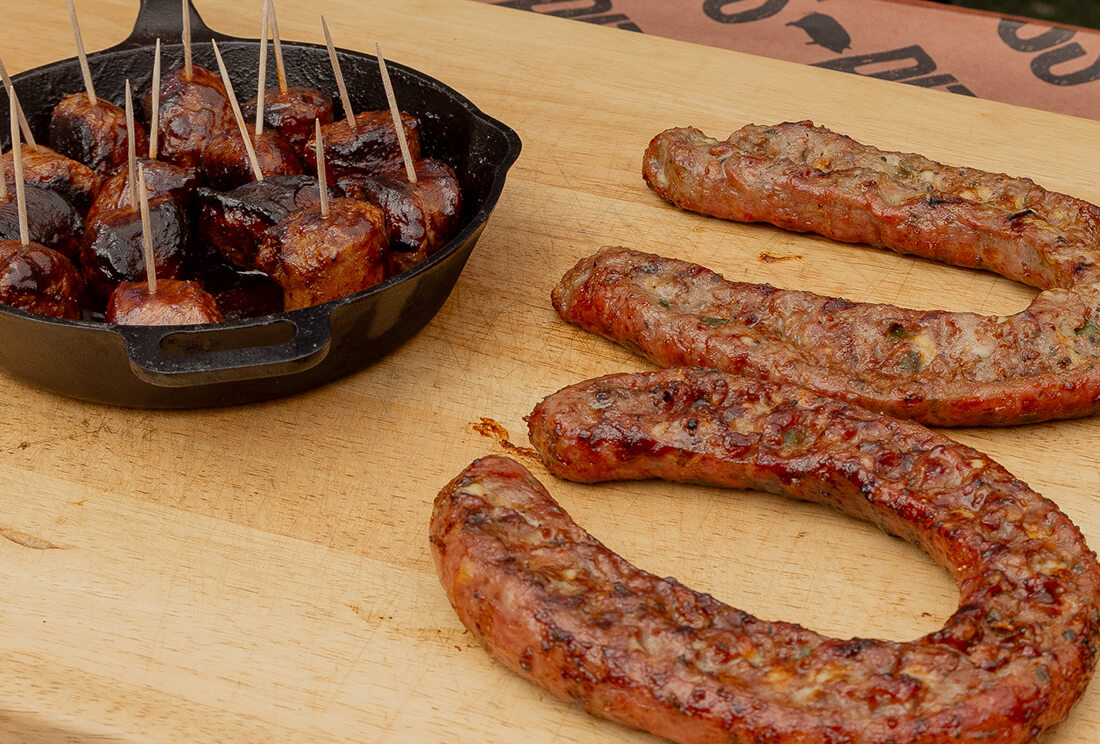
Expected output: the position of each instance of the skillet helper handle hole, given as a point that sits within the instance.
(175, 356)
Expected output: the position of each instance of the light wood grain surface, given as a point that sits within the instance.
(262, 574)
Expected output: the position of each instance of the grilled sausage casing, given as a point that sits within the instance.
(952, 369)
(940, 368)
(557, 607)
(226, 163)
(51, 220)
(809, 179)
(370, 146)
(113, 249)
(161, 178)
(191, 112)
(420, 217)
(176, 302)
(39, 280)
(94, 134)
(234, 221)
(292, 112)
(317, 258)
(51, 170)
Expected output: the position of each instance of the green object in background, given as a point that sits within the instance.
(1075, 12)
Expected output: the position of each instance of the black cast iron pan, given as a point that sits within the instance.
(250, 360)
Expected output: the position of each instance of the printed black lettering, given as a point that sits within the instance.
(922, 64)
(596, 11)
(1009, 31)
(918, 73)
(935, 81)
(1044, 63)
(618, 20)
(824, 30)
(716, 10)
(962, 90)
(931, 81)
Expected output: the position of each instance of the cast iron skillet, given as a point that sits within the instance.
(252, 360)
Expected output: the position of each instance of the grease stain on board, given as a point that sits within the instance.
(364, 615)
(487, 427)
(27, 540)
(771, 258)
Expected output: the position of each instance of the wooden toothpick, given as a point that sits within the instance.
(188, 70)
(348, 112)
(17, 166)
(280, 69)
(261, 78)
(395, 112)
(4, 177)
(322, 179)
(154, 123)
(252, 159)
(88, 87)
(28, 135)
(131, 148)
(147, 234)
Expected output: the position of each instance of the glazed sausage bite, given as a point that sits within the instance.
(39, 280)
(941, 368)
(317, 259)
(239, 293)
(292, 113)
(94, 134)
(192, 111)
(247, 294)
(161, 179)
(234, 221)
(371, 146)
(420, 216)
(227, 166)
(176, 302)
(51, 220)
(51, 170)
(554, 605)
(113, 249)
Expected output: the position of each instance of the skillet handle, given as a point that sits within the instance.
(175, 356)
(163, 19)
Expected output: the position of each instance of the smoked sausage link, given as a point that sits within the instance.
(556, 606)
(949, 369)
(939, 368)
(809, 179)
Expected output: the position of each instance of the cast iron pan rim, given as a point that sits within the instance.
(475, 222)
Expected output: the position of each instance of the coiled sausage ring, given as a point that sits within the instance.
(556, 606)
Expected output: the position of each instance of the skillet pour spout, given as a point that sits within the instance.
(256, 359)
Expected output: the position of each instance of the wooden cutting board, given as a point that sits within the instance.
(262, 574)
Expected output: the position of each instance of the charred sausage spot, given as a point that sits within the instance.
(51, 221)
(1089, 329)
(94, 134)
(911, 362)
(113, 250)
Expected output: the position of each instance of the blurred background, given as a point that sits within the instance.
(1076, 12)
